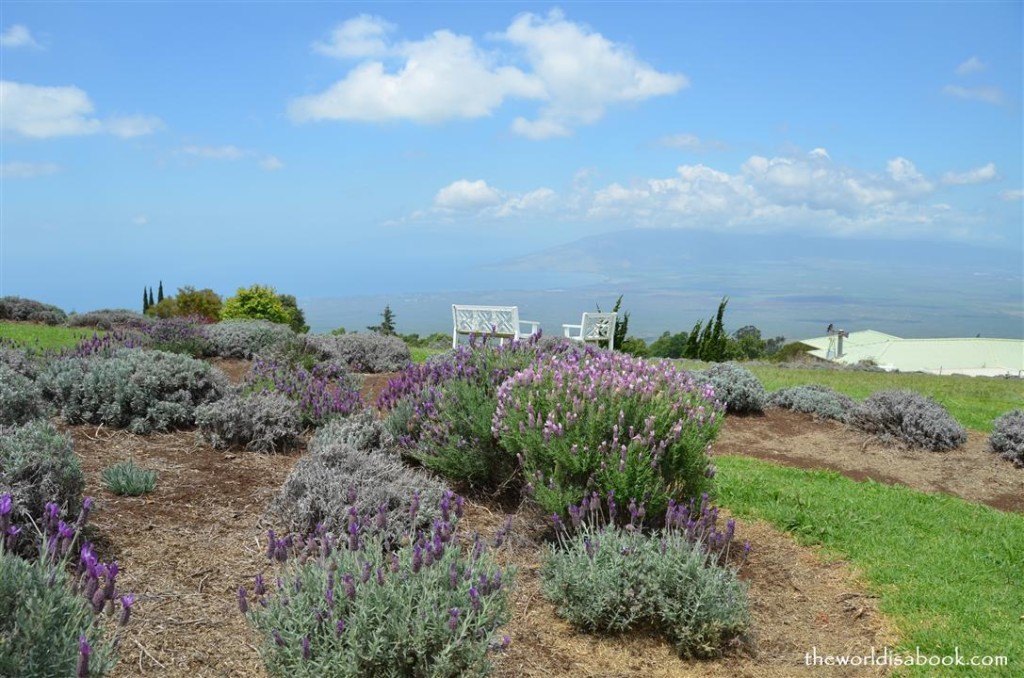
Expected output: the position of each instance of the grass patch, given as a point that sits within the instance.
(44, 337)
(128, 480)
(948, 571)
(421, 354)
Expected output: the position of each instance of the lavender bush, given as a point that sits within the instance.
(142, 391)
(616, 580)
(30, 310)
(608, 422)
(109, 319)
(20, 398)
(22, 360)
(37, 466)
(441, 412)
(360, 606)
(368, 352)
(106, 345)
(262, 422)
(50, 623)
(909, 418)
(735, 386)
(325, 482)
(185, 335)
(244, 338)
(1007, 439)
(321, 393)
(821, 401)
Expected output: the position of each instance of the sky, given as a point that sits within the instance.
(338, 150)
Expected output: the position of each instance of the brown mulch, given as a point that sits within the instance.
(971, 472)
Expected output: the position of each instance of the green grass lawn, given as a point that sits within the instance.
(43, 337)
(420, 355)
(948, 572)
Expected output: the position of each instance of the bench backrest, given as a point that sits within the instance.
(493, 321)
(599, 327)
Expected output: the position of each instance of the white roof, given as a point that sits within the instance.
(977, 357)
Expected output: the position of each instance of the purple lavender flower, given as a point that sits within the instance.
(243, 600)
(82, 669)
(453, 618)
(127, 601)
(307, 653)
(278, 640)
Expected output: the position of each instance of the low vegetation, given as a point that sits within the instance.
(127, 479)
(908, 418)
(1007, 438)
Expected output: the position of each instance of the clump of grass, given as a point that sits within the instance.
(127, 479)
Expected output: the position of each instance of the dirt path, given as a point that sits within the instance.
(971, 472)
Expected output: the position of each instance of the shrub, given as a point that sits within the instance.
(910, 418)
(244, 338)
(186, 335)
(165, 308)
(264, 422)
(50, 620)
(611, 423)
(821, 401)
(203, 303)
(16, 308)
(617, 580)
(441, 411)
(260, 302)
(107, 344)
(23, 361)
(127, 479)
(735, 386)
(1007, 437)
(320, 393)
(367, 352)
(142, 391)
(37, 466)
(109, 319)
(20, 398)
(358, 608)
(324, 482)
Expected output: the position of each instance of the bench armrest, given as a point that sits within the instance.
(534, 325)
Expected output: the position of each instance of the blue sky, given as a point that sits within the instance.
(347, 149)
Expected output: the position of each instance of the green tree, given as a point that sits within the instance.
(387, 325)
(204, 303)
(160, 292)
(298, 318)
(145, 300)
(746, 343)
(165, 308)
(633, 346)
(257, 302)
(693, 342)
(669, 345)
(621, 323)
(151, 302)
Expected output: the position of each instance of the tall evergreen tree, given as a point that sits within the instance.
(160, 292)
(693, 342)
(621, 323)
(151, 302)
(387, 325)
(145, 300)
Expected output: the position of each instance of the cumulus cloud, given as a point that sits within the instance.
(573, 72)
(271, 163)
(27, 170)
(140, 220)
(1012, 195)
(808, 193)
(989, 95)
(363, 36)
(18, 36)
(978, 175)
(43, 112)
(972, 65)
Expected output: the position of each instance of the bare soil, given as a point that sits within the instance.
(971, 472)
(187, 547)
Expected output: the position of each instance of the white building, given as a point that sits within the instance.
(974, 357)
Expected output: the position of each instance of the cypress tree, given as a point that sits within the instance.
(692, 349)
(160, 292)
(145, 300)
(151, 297)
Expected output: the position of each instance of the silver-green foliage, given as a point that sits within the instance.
(821, 401)
(368, 352)
(20, 398)
(617, 580)
(38, 465)
(910, 418)
(110, 318)
(428, 609)
(17, 308)
(140, 390)
(261, 421)
(127, 479)
(1007, 437)
(244, 338)
(735, 386)
(348, 458)
(20, 360)
(42, 620)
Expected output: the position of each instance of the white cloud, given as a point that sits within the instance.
(972, 65)
(140, 220)
(464, 195)
(27, 170)
(363, 36)
(1012, 195)
(226, 152)
(271, 163)
(978, 175)
(989, 95)
(18, 36)
(43, 112)
(808, 193)
(575, 72)
(690, 142)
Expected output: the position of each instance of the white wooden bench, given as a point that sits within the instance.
(490, 321)
(594, 327)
